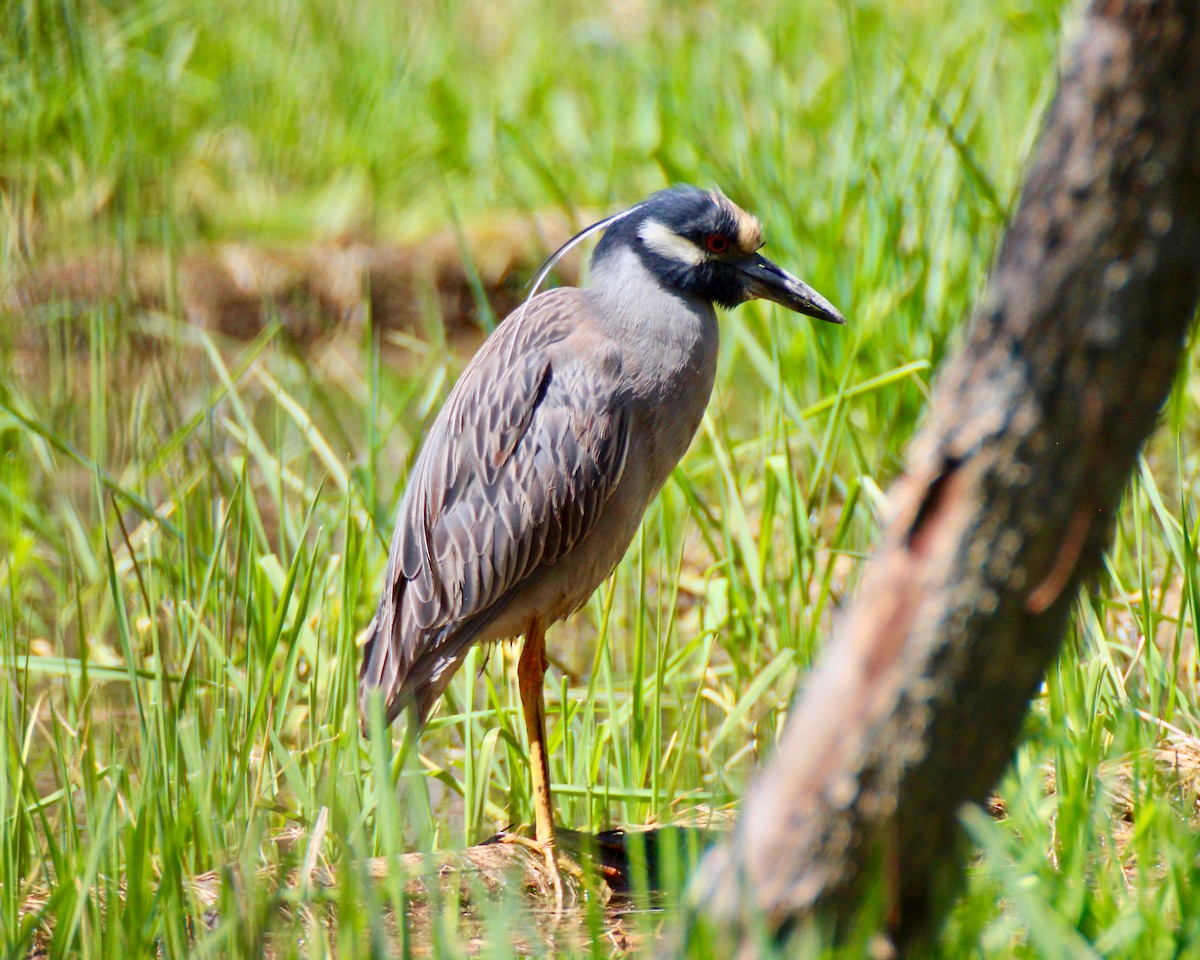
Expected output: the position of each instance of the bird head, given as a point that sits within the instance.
(702, 243)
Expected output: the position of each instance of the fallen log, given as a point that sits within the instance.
(237, 290)
(619, 867)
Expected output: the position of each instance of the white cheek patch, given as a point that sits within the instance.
(667, 243)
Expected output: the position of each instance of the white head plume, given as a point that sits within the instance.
(544, 270)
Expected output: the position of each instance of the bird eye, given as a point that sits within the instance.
(716, 243)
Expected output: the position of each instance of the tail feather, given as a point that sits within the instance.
(412, 667)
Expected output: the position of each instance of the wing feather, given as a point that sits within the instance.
(515, 471)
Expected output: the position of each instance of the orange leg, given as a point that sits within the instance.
(531, 673)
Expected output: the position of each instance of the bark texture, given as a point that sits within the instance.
(1006, 504)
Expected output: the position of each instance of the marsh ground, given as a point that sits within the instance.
(193, 516)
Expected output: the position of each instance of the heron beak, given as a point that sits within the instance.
(767, 281)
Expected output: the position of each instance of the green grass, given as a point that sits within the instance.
(192, 533)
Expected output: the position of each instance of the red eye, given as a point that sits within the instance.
(716, 243)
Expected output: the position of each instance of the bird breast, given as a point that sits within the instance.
(671, 377)
(664, 387)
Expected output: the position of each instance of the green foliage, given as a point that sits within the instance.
(192, 533)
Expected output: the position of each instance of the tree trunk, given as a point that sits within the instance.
(1006, 506)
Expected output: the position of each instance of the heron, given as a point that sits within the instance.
(535, 474)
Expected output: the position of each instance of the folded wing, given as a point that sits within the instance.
(513, 474)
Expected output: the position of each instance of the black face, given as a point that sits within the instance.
(703, 244)
(711, 227)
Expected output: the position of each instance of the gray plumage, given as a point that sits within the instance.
(535, 475)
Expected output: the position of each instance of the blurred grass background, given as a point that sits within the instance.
(192, 529)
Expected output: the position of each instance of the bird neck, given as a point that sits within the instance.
(635, 304)
(669, 338)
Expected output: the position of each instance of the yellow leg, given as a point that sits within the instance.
(531, 673)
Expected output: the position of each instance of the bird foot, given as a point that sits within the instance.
(556, 864)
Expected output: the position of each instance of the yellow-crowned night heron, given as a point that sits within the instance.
(535, 475)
